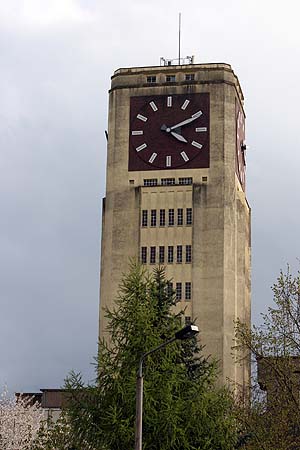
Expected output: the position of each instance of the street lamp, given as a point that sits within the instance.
(185, 333)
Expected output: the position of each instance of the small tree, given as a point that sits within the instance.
(55, 435)
(20, 421)
(272, 421)
(182, 408)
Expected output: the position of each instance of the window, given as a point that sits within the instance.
(170, 78)
(162, 218)
(189, 77)
(151, 79)
(188, 320)
(189, 216)
(185, 180)
(152, 255)
(171, 217)
(179, 253)
(168, 181)
(150, 182)
(153, 217)
(179, 216)
(188, 291)
(204, 179)
(144, 255)
(170, 288)
(144, 218)
(161, 255)
(178, 291)
(170, 254)
(188, 253)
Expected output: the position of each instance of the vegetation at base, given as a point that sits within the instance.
(273, 421)
(183, 410)
(182, 407)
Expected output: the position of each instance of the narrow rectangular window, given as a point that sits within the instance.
(189, 216)
(168, 181)
(161, 255)
(188, 253)
(171, 217)
(189, 77)
(179, 253)
(170, 254)
(153, 217)
(187, 320)
(170, 288)
(151, 79)
(162, 218)
(152, 255)
(185, 180)
(178, 291)
(179, 216)
(144, 255)
(188, 291)
(144, 218)
(170, 78)
(150, 182)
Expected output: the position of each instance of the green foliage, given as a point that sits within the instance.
(54, 435)
(182, 407)
(272, 421)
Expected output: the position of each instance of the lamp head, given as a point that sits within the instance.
(187, 332)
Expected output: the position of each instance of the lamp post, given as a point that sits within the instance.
(185, 333)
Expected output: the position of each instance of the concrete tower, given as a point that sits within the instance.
(175, 195)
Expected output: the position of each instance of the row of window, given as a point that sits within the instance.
(162, 255)
(183, 291)
(168, 218)
(168, 181)
(171, 78)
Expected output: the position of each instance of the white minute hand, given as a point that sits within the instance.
(185, 122)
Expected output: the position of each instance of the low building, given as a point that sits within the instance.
(50, 400)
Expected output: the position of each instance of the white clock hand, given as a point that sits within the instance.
(185, 122)
(178, 136)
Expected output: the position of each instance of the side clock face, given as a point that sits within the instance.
(169, 132)
(240, 146)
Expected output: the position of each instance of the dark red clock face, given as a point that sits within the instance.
(169, 132)
(240, 145)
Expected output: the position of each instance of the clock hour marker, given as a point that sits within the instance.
(185, 156)
(197, 114)
(153, 106)
(169, 102)
(200, 129)
(152, 157)
(141, 147)
(143, 118)
(185, 104)
(196, 144)
(137, 132)
(168, 161)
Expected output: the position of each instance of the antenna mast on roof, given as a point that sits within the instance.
(180, 61)
(179, 39)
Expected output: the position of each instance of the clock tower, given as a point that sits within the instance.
(175, 196)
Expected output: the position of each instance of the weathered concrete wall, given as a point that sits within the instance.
(220, 234)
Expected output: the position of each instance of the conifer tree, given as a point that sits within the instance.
(182, 407)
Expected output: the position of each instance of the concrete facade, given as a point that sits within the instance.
(219, 235)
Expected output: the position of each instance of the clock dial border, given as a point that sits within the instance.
(240, 160)
(154, 110)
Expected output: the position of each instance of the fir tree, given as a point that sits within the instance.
(182, 408)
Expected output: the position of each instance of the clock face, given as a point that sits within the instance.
(169, 132)
(240, 145)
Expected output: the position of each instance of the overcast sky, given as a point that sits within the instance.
(57, 57)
